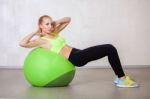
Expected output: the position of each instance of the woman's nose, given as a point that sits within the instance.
(49, 26)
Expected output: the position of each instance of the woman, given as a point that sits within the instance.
(49, 38)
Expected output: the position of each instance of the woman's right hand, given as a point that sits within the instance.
(28, 42)
(38, 33)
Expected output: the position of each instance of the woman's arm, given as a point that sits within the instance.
(61, 24)
(26, 41)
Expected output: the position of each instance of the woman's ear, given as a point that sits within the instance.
(40, 26)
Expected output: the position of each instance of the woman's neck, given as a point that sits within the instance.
(51, 35)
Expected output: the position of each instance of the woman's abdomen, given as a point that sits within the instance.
(65, 51)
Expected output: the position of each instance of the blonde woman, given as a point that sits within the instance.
(49, 38)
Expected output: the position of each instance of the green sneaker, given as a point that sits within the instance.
(126, 83)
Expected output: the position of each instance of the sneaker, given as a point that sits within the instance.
(116, 80)
(126, 83)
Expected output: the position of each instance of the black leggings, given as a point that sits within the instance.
(81, 57)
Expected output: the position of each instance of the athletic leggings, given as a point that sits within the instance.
(81, 57)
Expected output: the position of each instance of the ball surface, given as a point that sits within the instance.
(45, 68)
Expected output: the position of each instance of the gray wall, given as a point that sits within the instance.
(123, 23)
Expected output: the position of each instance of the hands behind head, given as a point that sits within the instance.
(53, 23)
(38, 32)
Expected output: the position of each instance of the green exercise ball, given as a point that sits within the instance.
(45, 68)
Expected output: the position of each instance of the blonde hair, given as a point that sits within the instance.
(42, 17)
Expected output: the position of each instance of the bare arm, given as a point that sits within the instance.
(26, 41)
(61, 24)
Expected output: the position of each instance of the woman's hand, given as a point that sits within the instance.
(53, 23)
(61, 24)
(38, 32)
(27, 42)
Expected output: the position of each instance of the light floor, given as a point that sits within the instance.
(88, 84)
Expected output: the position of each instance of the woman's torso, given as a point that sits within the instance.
(65, 50)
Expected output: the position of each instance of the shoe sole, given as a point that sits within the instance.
(123, 86)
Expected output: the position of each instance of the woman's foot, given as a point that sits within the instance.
(127, 82)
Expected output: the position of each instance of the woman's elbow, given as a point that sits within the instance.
(22, 44)
(67, 19)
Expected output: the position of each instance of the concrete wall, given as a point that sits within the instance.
(123, 23)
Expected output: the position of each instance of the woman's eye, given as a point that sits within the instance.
(47, 23)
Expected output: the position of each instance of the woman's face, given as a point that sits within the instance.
(46, 26)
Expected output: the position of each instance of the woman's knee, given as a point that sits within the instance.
(111, 48)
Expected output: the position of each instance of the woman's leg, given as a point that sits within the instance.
(82, 57)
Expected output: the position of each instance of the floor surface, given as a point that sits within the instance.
(88, 83)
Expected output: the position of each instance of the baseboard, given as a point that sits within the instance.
(124, 66)
(101, 66)
(11, 67)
